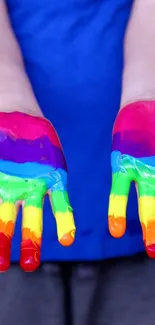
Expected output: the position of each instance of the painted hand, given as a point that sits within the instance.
(133, 159)
(32, 164)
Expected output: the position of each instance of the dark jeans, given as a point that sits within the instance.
(119, 292)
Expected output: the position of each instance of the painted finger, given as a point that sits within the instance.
(8, 214)
(31, 234)
(62, 210)
(146, 207)
(118, 203)
(63, 216)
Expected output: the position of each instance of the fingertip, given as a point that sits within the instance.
(150, 250)
(5, 252)
(149, 238)
(67, 239)
(4, 264)
(117, 226)
(30, 256)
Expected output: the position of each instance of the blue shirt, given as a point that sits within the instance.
(73, 52)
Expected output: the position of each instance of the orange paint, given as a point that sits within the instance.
(27, 234)
(7, 228)
(67, 239)
(149, 232)
(117, 226)
(149, 238)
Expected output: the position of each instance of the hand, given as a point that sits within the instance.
(133, 159)
(32, 164)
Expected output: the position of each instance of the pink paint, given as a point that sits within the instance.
(138, 116)
(23, 126)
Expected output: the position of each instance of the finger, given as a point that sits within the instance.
(63, 216)
(146, 207)
(118, 203)
(31, 233)
(61, 209)
(8, 214)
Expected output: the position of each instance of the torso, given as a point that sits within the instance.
(73, 53)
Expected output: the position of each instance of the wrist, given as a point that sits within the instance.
(139, 54)
(141, 97)
(16, 93)
(138, 83)
(16, 103)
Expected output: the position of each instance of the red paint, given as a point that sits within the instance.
(150, 250)
(24, 126)
(30, 256)
(139, 116)
(5, 252)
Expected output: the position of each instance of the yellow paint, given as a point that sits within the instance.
(32, 219)
(117, 205)
(8, 212)
(65, 223)
(146, 209)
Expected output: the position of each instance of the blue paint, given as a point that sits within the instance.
(148, 161)
(117, 161)
(55, 178)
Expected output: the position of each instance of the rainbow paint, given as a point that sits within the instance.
(31, 164)
(133, 159)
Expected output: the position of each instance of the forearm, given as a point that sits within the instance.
(16, 93)
(139, 54)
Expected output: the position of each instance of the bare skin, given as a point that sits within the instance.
(139, 70)
(139, 56)
(15, 89)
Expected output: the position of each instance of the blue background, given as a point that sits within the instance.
(73, 52)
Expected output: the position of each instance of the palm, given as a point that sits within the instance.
(29, 170)
(131, 161)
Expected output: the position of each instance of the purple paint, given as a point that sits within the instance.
(40, 150)
(133, 143)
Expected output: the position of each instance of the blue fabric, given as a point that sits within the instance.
(73, 52)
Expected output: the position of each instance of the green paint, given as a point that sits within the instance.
(14, 188)
(60, 201)
(132, 169)
(120, 184)
(31, 191)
